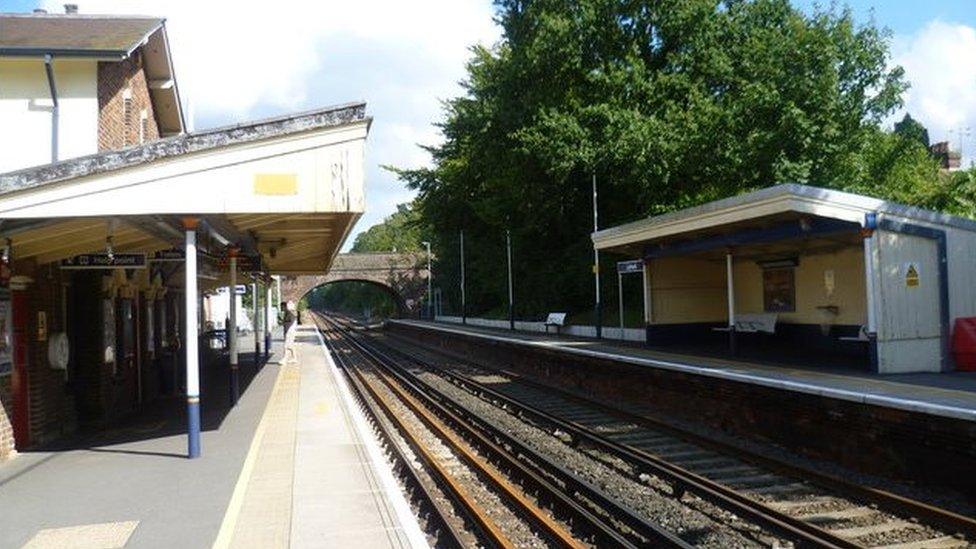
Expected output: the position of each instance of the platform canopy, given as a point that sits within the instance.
(286, 189)
(771, 220)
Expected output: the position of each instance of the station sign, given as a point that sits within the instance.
(245, 263)
(105, 261)
(240, 289)
(633, 266)
(172, 254)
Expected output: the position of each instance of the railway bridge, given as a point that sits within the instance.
(402, 275)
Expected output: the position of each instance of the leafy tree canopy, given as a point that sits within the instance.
(668, 103)
(398, 232)
(913, 130)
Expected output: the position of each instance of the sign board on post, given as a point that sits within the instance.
(105, 261)
(172, 254)
(632, 266)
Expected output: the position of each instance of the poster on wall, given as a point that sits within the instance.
(108, 332)
(6, 333)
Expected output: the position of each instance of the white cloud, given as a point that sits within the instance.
(940, 64)
(240, 60)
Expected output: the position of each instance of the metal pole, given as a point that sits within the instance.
(464, 309)
(598, 309)
(257, 323)
(267, 320)
(511, 291)
(192, 364)
(430, 285)
(731, 291)
(870, 222)
(646, 275)
(235, 390)
(620, 298)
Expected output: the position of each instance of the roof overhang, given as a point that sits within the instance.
(288, 189)
(102, 38)
(779, 202)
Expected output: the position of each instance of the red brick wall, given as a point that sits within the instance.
(6, 411)
(52, 411)
(113, 80)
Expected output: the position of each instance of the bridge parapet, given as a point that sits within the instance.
(404, 275)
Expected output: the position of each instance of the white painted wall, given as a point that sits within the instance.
(609, 332)
(25, 111)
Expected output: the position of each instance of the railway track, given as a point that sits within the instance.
(805, 507)
(377, 384)
(851, 515)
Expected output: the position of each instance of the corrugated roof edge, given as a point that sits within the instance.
(799, 190)
(107, 161)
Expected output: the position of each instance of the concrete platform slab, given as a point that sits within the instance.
(314, 476)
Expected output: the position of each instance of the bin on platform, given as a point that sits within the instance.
(964, 344)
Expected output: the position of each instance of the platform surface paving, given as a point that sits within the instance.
(288, 466)
(951, 394)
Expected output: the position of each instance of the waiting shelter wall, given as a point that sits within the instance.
(687, 290)
(812, 288)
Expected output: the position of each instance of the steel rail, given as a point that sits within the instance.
(456, 493)
(536, 515)
(466, 420)
(805, 533)
(894, 503)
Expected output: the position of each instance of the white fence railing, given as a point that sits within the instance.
(609, 332)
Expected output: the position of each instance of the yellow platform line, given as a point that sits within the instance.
(228, 526)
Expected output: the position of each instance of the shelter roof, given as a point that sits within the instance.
(771, 201)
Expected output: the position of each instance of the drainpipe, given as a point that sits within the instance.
(49, 69)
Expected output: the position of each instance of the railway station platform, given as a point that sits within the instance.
(951, 394)
(292, 464)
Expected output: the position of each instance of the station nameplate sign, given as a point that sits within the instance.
(104, 261)
(633, 266)
(173, 254)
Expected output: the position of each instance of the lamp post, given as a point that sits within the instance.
(511, 293)
(430, 284)
(598, 308)
(464, 310)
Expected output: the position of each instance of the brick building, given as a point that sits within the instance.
(73, 85)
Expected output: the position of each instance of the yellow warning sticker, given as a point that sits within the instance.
(911, 275)
(275, 183)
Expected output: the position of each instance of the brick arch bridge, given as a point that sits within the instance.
(403, 275)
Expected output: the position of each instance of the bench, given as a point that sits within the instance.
(753, 323)
(555, 319)
(862, 335)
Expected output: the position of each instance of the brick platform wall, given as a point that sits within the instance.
(114, 132)
(51, 404)
(6, 411)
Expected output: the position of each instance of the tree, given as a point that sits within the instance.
(670, 103)
(398, 232)
(913, 130)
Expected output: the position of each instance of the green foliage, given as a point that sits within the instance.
(355, 298)
(913, 130)
(398, 232)
(670, 103)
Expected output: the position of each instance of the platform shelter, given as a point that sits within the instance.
(110, 253)
(795, 273)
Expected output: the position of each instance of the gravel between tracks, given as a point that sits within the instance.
(909, 533)
(692, 524)
(496, 507)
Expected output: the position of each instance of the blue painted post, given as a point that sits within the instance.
(192, 359)
(267, 319)
(235, 388)
(255, 301)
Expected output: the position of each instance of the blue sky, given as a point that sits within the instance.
(405, 57)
